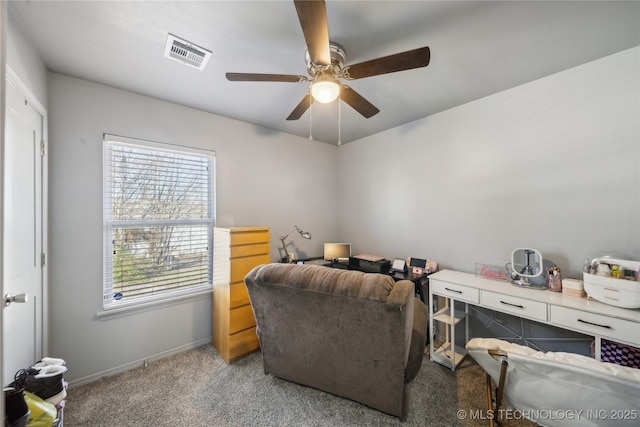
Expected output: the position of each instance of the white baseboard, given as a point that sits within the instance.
(138, 363)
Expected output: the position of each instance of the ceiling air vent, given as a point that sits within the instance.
(186, 52)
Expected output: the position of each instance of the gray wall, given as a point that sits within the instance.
(553, 164)
(261, 180)
(23, 59)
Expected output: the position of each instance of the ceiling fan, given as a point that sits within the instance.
(325, 65)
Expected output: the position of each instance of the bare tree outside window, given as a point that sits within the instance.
(161, 220)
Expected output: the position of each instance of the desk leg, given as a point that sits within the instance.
(431, 326)
(417, 283)
(452, 343)
(419, 290)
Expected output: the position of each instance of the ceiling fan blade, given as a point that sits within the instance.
(357, 102)
(252, 77)
(301, 108)
(408, 60)
(313, 20)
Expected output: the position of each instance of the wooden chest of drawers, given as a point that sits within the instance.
(235, 252)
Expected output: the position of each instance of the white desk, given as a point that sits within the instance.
(576, 314)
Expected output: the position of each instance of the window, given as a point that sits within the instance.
(158, 220)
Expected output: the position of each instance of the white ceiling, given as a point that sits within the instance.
(477, 48)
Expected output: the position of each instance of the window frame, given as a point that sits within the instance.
(109, 223)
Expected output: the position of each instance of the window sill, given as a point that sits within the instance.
(151, 305)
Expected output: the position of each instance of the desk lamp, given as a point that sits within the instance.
(304, 234)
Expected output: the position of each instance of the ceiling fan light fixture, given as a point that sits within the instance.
(325, 90)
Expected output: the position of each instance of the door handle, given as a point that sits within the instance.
(8, 298)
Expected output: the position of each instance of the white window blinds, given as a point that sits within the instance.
(158, 220)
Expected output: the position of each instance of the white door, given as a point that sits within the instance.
(23, 233)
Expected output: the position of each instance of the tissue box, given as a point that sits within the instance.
(573, 287)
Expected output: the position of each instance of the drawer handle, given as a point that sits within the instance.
(512, 305)
(594, 324)
(453, 290)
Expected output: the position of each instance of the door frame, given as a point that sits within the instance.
(3, 43)
(12, 78)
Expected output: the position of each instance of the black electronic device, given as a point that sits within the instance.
(378, 266)
(337, 252)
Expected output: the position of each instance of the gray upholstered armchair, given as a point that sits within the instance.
(356, 335)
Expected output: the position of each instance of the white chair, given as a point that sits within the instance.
(556, 389)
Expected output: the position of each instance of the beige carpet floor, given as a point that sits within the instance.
(196, 388)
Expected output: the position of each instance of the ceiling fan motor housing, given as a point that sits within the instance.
(338, 58)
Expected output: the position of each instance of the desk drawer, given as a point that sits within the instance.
(457, 292)
(519, 306)
(595, 324)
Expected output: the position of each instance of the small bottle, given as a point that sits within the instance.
(616, 272)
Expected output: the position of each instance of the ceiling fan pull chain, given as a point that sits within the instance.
(310, 114)
(339, 123)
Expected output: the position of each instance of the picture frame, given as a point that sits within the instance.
(418, 265)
